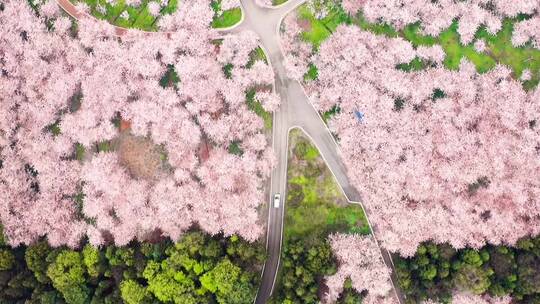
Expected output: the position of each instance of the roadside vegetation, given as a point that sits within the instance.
(145, 14)
(315, 208)
(278, 2)
(197, 269)
(438, 269)
(227, 18)
(498, 49)
(256, 106)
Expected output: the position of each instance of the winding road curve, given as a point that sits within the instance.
(295, 111)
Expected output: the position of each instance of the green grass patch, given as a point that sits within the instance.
(518, 59)
(79, 152)
(256, 55)
(227, 70)
(499, 47)
(257, 107)
(315, 205)
(412, 34)
(415, 65)
(54, 128)
(312, 73)
(104, 146)
(321, 29)
(228, 18)
(326, 116)
(375, 28)
(139, 17)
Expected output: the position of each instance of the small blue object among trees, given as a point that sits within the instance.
(359, 115)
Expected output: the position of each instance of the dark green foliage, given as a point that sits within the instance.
(399, 104)
(312, 73)
(437, 270)
(329, 114)
(75, 102)
(304, 267)
(227, 70)
(170, 79)
(67, 273)
(7, 259)
(349, 294)
(416, 64)
(234, 148)
(482, 182)
(197, 269)
(438, 94)
(134, 293)
(473, 279)
(36, 260)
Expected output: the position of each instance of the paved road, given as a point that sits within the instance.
(295, 111)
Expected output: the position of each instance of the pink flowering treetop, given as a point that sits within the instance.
(166, 168)
(435, 16)
(448, 156)
(359, 259)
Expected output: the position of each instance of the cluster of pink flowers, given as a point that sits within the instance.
(194, 124)
(449, 156)
(296, 51)
(264, 3)
(436, 16)
(229, 4)
(360, 260)
(466, 298)
(527, 30)
(461, 298)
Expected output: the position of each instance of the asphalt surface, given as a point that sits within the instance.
(295, 111)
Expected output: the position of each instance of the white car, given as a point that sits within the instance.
(277, 198)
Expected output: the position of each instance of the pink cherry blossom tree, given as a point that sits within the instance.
(436, 16)
(461, 298)
(437, 155)
(360, 260)
(62, 93)
(527, 30)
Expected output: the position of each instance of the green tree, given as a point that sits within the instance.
(93, 260)
(472, 257)
(528, 274)
(120, 256)
(229, 283)
(473, 279)
(504, 266)
(170, 284)
(303, 266)
(349, 294)
(238, 248)
(67, 274)
(36, 260)
(7, 259)
(134, 293)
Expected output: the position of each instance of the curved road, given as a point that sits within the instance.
(295, 111)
